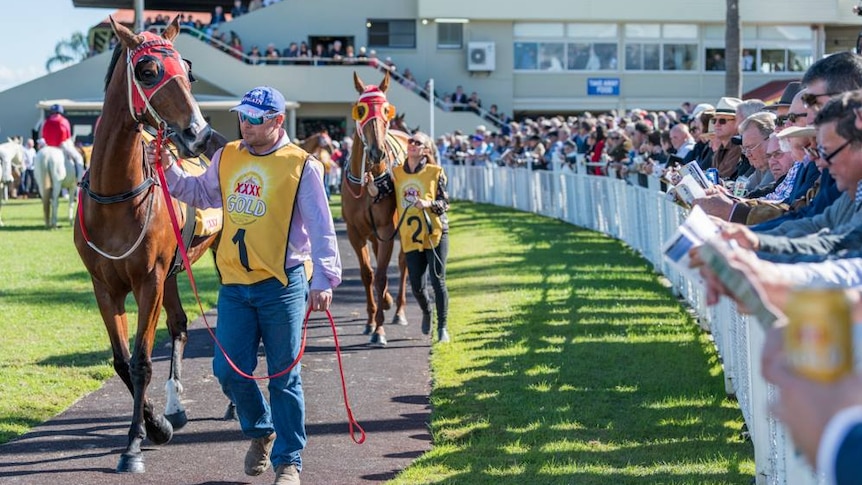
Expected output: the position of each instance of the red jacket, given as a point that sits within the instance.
(56, 129)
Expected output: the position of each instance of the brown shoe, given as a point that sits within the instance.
(286, 475)
(257, 457)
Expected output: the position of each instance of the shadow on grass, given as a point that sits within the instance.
(604, 380)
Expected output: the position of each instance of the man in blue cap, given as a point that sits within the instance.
(57, 132)
(276, 218)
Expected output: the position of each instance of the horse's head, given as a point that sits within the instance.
(372, 114)
(159, 86)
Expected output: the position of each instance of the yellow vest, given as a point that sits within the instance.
(259, 195)
(416, 234)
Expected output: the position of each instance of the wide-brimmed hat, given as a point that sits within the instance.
(727, 106)
(790, 91)
(260, 101)
(702, 108)
(797, 131)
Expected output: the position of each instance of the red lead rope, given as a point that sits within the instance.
(353, 425)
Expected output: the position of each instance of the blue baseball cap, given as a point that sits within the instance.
(56, 108)
(260, 101)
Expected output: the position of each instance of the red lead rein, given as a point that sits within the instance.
(353, 425)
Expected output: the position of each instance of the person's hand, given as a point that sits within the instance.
(716, 204)
(368, 182)
(744, 237)
(805, 406)
(320, 300)
(167, 157)
(421, 204)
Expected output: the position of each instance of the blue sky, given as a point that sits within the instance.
(31, 29)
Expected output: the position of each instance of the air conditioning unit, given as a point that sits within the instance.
(480, 56)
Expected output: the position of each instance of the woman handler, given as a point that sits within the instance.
(421, 201)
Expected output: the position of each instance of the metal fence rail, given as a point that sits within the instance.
(643, 218)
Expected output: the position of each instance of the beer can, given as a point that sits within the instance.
(819, 334)
(712, 175)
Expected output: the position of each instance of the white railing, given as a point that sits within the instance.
(644, 218)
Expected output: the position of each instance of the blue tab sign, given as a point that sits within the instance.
(603, 86)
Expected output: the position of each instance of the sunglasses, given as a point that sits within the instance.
(255, 120)
(791, 117)
(810, 99)
(721, 121)
(827, 157)
(415, 142)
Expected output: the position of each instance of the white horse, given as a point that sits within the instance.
(11, 164)
(56, 169)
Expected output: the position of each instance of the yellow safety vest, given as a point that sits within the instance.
(259, 196)
(416, 234)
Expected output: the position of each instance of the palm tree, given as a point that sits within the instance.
(68, 51)
(732, 44)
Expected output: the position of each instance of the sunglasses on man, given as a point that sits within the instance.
(256, 120)
(811, 100)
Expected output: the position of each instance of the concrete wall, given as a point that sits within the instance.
(84, 80)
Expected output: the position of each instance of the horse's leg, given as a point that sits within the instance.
(361, 249)
(46, 206)
(73, 199)
(400, 317)
(145, 423)
(56, 188)
(178, 326)
(386, 299)
(381, 289)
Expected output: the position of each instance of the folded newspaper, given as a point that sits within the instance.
(698, 231)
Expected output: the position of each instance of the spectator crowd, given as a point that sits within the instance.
(782, 186)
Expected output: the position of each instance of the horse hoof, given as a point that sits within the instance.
(368, 330)
(177, 420)
(130, 463)
(159, 431)
(399, 320)
(230, 412)
(378, 340)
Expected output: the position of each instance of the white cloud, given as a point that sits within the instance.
(13, 76)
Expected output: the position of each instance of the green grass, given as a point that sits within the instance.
(54, 348)
(570, 363)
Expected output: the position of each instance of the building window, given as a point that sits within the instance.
(591, 56)
(661, 47)
(769, 49)
(450, 35)
(526, 55)
(391, 33)
(643, 57)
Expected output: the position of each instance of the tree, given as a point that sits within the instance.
(732, 45)
(68, 51)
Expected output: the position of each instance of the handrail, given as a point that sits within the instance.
(316, 61)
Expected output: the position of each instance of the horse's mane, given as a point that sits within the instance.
(115, 57)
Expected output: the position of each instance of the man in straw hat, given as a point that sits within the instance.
(727, 154)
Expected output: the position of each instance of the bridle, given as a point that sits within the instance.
(373, 105)
(141, 87)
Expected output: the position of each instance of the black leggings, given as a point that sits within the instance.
(418, 263)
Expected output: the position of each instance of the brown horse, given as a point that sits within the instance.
(123, 232)
(375, 150)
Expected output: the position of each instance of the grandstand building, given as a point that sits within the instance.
(539, 57)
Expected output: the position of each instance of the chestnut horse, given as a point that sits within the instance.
(375, 149)
(123, 231)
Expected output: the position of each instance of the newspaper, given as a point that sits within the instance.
(693, 232)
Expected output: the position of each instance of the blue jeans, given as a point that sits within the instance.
(271, 313)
